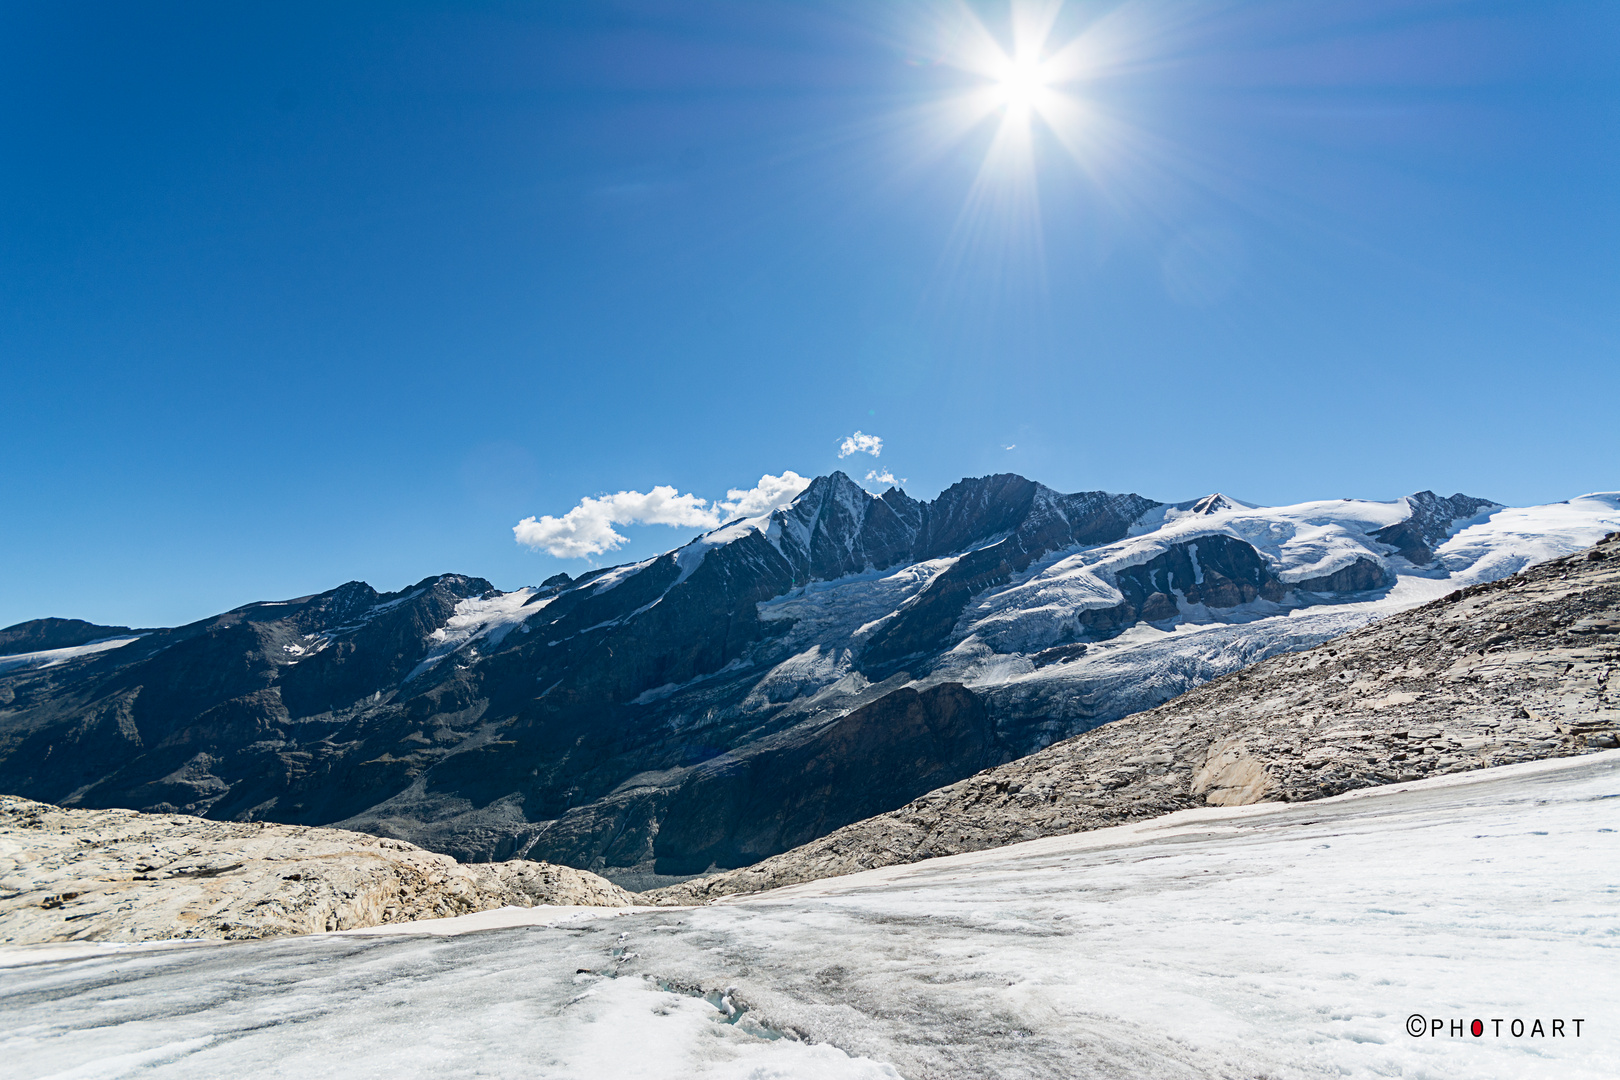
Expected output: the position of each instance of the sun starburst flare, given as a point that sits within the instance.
(1056, 115)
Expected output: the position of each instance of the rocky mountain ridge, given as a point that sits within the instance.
(1512, 670)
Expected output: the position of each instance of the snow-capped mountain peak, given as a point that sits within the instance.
(1214, 504)
(747, 690)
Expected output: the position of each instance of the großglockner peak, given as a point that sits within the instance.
(760, 686)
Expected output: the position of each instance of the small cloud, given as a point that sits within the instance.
(860, 444)
(1010, 446)
(588, 529)
(881, 477)
(771, 493)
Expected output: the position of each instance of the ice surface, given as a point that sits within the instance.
(500, 1004)
(1272, 940)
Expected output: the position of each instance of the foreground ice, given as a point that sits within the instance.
(1274, 941)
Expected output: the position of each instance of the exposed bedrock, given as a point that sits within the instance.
(1432, 520)
(118, 875)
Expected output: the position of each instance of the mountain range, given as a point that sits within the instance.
(1493, 674)
(766, 684)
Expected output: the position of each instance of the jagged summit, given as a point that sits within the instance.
(837, 527)
(1214, 504)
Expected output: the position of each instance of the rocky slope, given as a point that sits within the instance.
(1508, 671)
(118, 875)
(769, 682)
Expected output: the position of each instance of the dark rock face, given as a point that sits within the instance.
(971, 510)
(41, 634)
(738, 809)
(1212, 504)
(1217, 571)
(1058, 654)
(194, 717)
(836, 528)
(1360, 576)
(625, 720)
(1159, 607)
(1431, 522)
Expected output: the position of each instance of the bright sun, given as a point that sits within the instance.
(1021, 82)
(1024, 96)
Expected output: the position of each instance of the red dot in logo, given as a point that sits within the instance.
(1477, 1027)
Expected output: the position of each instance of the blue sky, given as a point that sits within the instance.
(294, 295)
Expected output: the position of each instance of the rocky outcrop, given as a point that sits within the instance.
(1360, 576)
(1215, 571)
(118, 875)
(1514, 670)
(1231, 776)
(1212, 504)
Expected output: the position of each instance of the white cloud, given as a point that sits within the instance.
(772, 493)
(860, 444)
(588, 530)
(882, 477)
(1010, 446)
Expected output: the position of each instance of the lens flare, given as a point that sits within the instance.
(1032, 99)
